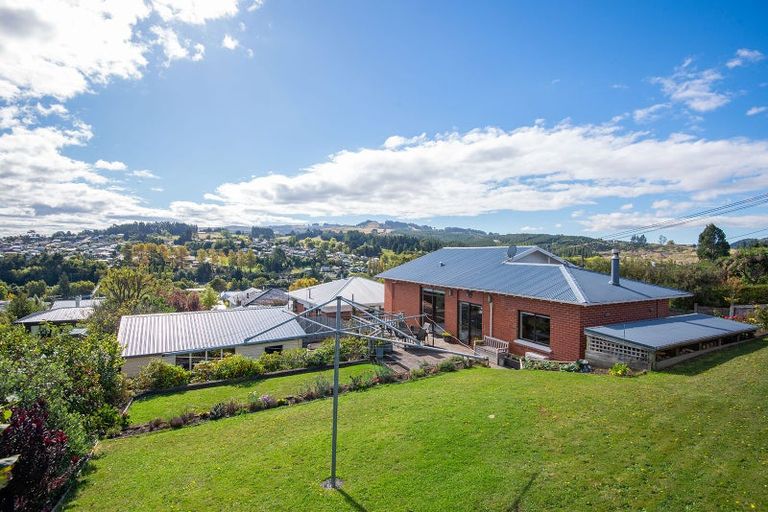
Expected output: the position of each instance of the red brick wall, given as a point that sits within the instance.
(567, 321)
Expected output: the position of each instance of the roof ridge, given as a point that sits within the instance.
(208, 311)
(577, 291)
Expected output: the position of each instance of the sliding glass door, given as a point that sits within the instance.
(433, 305)
(470, 322)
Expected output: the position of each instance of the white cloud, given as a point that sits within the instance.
(256, 4)
(229, 42)
(743, 57)
(168, 40)
(692, 88)
(532, 168)
(156, 189)
(558, 225)
(627, 206)
(110, 166)
(756, 110)
(649, 114)
(62, 49)
(199, 52)
(145, 174)
(241, 25)
(619, 86)
(249, 52)
(195, 12)
(528, 229)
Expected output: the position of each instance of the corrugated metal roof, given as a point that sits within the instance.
(660, 333)
(72, 303)
(270, 296)
(489, 269)
(357, 289)
(57, 316)
(165, 333)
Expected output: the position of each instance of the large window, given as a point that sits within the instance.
(433, 305)
(534, 328)
(470, 322)
(189, 360)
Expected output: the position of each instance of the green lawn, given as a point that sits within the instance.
(201, 400)
(695, 438)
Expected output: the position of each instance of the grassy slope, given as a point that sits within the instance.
(200, 400)
(481, 439)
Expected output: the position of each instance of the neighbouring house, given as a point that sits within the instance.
(77, 302)
(188, 338)
(534, 302)
(268, 297)
(362, 291)
(240, 297)
(61, 315)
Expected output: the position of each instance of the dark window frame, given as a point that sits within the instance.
(538, 320)
(437, 318)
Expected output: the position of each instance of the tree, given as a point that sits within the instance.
(712, 244)
(209, 298)
(303, 282)
(64, 289)
(81, 287)
(734, 287)
(662, 240)
(21, 306)
(36, 288)
(124, 284)
(218, 284)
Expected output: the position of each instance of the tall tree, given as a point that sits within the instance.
(125, 284)
(64, 289)
(712, 243)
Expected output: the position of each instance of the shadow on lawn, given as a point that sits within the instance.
(709, 361)
(351, 501)
(79, 483)
(515, 505)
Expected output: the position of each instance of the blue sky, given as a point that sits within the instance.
(542, 117)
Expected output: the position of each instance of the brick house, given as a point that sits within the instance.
(536, 301)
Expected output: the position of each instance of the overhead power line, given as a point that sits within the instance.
(678, 221)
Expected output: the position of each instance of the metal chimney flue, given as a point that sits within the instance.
(615, 280)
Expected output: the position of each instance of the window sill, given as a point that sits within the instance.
(533, 345)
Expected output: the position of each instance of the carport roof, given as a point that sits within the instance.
(660, 333)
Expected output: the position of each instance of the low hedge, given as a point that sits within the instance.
(159, 375)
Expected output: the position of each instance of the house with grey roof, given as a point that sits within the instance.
(188, 338)
(365, 292)
(533, 303)
(70, 315)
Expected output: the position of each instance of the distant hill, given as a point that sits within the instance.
(749, 242)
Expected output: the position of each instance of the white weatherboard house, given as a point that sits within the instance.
(186, 339)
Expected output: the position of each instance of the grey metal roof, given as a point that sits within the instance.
(671, 331)
(270, 296)
(72, 303)
(357, 289)
(57, 316)
(166, 333)
(489, 269)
